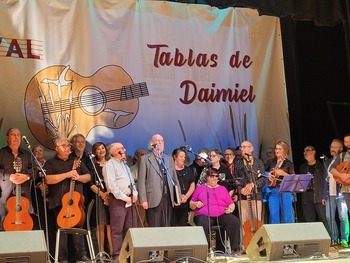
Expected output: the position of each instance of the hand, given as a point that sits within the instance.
(134, 199)
(144, 205)
(199, 204)
(73, 174)
(18, 178)
(183, 199)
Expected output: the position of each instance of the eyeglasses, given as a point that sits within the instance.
(308, 150)
(245, 146)
(64, 146)
(213, 155)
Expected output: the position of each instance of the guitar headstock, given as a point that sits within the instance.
(17, 164)
(76, 163)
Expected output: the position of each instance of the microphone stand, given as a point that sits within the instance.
(100, 186)
(329, 199)
(131, 186)
(239, 187)
(43, 175)
(169, 179)
(211, 252)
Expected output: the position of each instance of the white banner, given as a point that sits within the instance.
(124, 70)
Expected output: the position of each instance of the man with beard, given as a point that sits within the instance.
(340, 176)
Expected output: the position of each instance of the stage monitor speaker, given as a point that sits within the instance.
(23, 246)
(289, 241)
(164, 244)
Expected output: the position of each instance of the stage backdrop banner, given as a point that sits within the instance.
(125, 70)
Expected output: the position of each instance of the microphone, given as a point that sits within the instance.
(186, 148)
(154, 145)
(90, 155)
(247, 154)
(24, 138)
(323, 157)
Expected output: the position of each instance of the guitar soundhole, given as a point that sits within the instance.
(18, 208)
(70, 202)
(92, 100)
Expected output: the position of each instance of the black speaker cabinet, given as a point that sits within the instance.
(289, 241)
(23, 246)
(168, 243)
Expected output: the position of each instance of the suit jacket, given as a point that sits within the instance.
(150, 183)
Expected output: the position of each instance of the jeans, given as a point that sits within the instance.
(280, 207)
(332, 204)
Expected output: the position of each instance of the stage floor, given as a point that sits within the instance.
(336, 254)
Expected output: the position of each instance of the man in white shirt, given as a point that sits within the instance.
(123, 194)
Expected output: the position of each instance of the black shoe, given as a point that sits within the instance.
(82, 259)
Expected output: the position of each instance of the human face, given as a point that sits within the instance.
(280, 153)
(180, 159)
(79, 144)
(347, 143)
(309, 153)
(335, 148)
(247, 147)
(229, 156)
(39, 153)
(212, 180)
(100, 152)
(14, 138)
(159, 141)
(119, 151)
(63, 149)
(214, 157)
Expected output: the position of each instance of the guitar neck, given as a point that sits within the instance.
(18, 194)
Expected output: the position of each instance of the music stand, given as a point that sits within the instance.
(295, 183)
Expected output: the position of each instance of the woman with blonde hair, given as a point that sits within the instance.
(280, 204)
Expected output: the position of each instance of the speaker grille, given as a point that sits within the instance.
(23, 259)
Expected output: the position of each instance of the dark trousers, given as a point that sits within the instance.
(121, 219)
(78, 241)
(160, 215)
(228, 221)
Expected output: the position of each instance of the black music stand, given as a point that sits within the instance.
(295, 183)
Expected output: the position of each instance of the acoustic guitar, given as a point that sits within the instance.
(343, 167)
(72, 213)
(18, 217)
(250, 226)
(60, 102)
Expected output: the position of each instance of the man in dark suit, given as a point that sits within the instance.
(156, 183)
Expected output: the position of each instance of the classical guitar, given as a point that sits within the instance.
(273, 181)
(72, 213)
(59, 101)
(250, 226)
(18, 217)
(343, 167)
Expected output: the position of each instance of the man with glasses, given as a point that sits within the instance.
(314, 199)
(250, 169)
(61, 170)
(123, 194)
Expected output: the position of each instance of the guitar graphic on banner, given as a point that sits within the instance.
(72, 213)
(60, 103)
(18, 217)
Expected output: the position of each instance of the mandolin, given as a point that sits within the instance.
(250, 226)
(343, 167)
(18, 217)
(273, 181)
(72, 213)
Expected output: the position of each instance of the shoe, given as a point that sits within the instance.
(82, 259)
(344, 243)
(334, 243)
